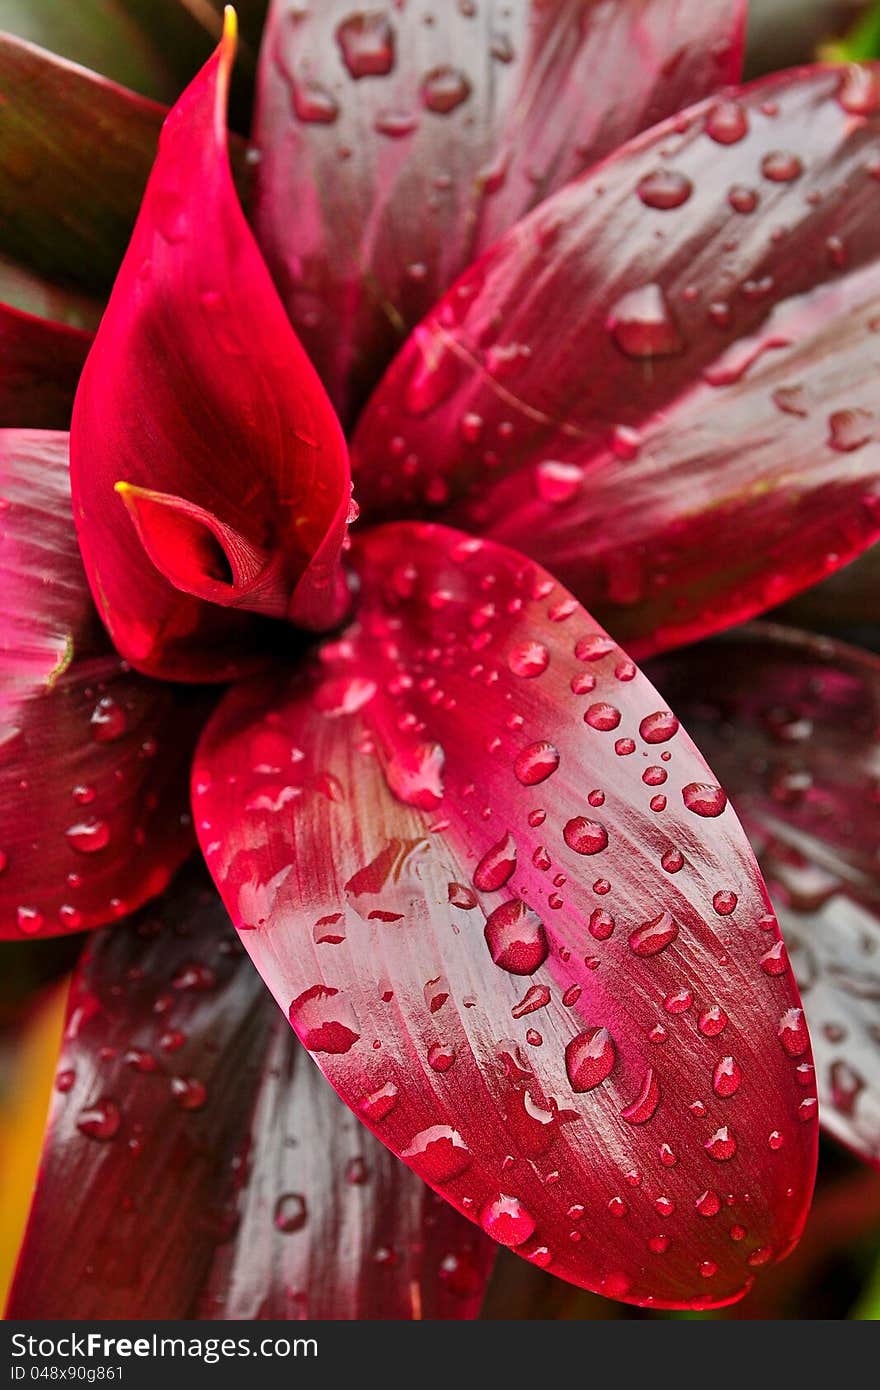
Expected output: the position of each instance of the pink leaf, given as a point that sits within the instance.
(530, 1016)
(93, 758)
(393, 152)
(792, 723)
(197, 390)
(630, 382)
(197, 1165)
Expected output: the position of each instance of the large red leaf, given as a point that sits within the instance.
(93, 758)
(40, 363)
(502, 900)
(198, 405)
(792, 724)
(395, 147)
(198, 1165)
(673, 353)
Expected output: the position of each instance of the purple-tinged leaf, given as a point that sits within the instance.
(93, 758)
(676, 352)
(197, 1164)
(504, 902)
(393, 150)
(792, 725)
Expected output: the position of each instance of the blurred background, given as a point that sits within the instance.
(835, 1272)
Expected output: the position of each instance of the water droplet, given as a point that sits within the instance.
(445, 88)
(438, 1154)
(721, 1145)
(88, 837)
(602, 716)
(528, 659)
(367, 44)
(704, 799)
(724, 902)
(290, 1212)
(679, 1002)
(672, 861)
(642, 325)
(496, 865)
(594, 647)
(742, 198)
(712, 1021)
(557, 483)
(589, 1059)
(665, 189)
(781, 167)
(849, 430)
(601, 924)
(859, 90)
(585, 836)
(775, 961)
(313, 104)
(516, 938)
(659, 727)
(375, 1106)
(462, 896)
(792, 1033)
(396, 125)
(727, 1077)
(536, 763)
(506, 1220)
(643, 1108)
(415, 775)
(727, 122)
(654, 936)
(708, 1204)
(100, 1120)
(537, 997)
(846, 1086)
(324, 1020)
(108, 721)
(441, 1057)
(188, 1092)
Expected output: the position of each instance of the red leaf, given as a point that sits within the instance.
(792, 724)
(392, 154)
(673, 353)
(40, 363)
(512, 1044)
(197, 389)
(93, 758)
(197, 1164)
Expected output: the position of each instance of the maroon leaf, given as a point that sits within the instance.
(792, 724)
(93, 759)
(504, 903)
(40, 363)
(197, 1164)
(675, 352)
(395, 150)
(200, 408)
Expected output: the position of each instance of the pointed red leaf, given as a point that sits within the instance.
(480, 868)
(197, 1165)
(93, 758)
(394, 151)
(792, 724)
(673, 353)
(197, 388)
(40, 363)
